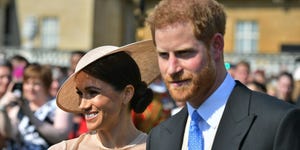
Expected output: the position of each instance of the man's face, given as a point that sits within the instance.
(185, 63)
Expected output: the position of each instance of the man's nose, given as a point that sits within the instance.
(173, 65)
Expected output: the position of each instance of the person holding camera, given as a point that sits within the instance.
(5, 84)
(35, 120)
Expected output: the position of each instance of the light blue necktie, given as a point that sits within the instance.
(195, 141)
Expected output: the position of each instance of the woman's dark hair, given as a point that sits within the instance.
(287, 74)
(120, 70)
(6, 63)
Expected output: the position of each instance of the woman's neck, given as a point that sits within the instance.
(121, 135)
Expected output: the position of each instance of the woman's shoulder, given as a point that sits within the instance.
(141, 139)
(59, 146)
(70, 144)
(138, 144)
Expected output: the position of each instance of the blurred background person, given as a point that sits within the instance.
(271, 86)
(5, 133)
(157, 111)
(258, 81)
(296, 94)
(259, 76)
(79, 125)
(178, 107)
(5, 80)
(242, 71)
(36, 121)
(257, 86)
(75, 57)
(59, 75)
(230, 67)
(285, 87)
(18, 62)
(5, 76)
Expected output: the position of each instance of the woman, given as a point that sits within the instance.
(5, 80)
(5, 76)
(106, 85)
(36, 121)
(285, 87)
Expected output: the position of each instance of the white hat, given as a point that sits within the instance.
(142, 52)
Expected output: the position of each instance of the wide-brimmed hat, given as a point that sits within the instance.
(143, 52)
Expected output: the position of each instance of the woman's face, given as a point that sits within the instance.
(34, 90)
(5, 78)
(284, 87)
(101, 103)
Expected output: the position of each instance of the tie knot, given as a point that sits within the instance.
(195, 116)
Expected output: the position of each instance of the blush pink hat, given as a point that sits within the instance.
(143, 52)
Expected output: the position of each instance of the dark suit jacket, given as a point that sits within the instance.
(251, 121)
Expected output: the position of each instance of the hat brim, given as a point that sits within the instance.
(143, 52)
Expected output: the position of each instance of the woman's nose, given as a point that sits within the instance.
(84, 104)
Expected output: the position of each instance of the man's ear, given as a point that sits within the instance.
(127, 93)
(217, 44)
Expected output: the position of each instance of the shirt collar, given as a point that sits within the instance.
(209, 109)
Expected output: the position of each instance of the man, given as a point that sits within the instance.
(242, 72)
(189, 37)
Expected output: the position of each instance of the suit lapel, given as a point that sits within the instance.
(236, 120)
(172, 131)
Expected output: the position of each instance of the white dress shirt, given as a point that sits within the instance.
(211, 111)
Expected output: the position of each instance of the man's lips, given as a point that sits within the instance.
(178, 82)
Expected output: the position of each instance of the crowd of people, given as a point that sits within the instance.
(148, 94)
(284, 85)
(28, 108)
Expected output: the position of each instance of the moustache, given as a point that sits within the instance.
(177, 77)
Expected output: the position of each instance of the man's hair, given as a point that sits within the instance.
(244, 63)
(207, 16)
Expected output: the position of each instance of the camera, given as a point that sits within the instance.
(17, 89)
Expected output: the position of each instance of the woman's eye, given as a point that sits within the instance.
(88, 93)
(93, 93)
(79, 93)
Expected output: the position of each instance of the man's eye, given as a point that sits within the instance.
(185, 54)
(163, 55)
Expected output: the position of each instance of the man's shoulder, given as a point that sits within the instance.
(262, 100)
